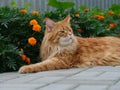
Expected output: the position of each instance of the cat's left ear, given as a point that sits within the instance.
(67, 19)
(49, 24)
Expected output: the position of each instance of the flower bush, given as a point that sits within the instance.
(25, 32)
(21, 32)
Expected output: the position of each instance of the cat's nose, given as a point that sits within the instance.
(70, 34)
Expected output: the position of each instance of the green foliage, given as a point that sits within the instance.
(13, 4)
(26, 5)
(15, 30)
(14, 25)
(9, 55)
(60, 5)
(115, 8)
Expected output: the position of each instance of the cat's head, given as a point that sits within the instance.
(59, 33)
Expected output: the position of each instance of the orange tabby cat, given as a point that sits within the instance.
(60, 49)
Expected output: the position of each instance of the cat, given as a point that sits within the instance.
(61, 49)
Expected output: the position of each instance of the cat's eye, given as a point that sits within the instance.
(69, 30)
(62, 31)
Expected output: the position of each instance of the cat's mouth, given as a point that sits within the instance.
(66, 41)
(70, 38)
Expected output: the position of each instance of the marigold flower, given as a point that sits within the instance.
(80, 30)
(32, 41)
(23, 57)
(35, 12)
(23, 11)
(33, 22)
(77, 15)
(101, 18)
(111, 13)
(86, 10)
(27, 60)
(118, 15)
(37, 28)
(112, 25)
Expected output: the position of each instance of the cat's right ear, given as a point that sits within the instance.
(49, 24)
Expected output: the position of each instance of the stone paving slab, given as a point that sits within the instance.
(96, 78)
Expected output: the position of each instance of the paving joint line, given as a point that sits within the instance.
(75, 87)
(109, 86)
(10, 79)
(101, 73)
(61, 79)
(42, 86)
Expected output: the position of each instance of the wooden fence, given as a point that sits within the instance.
(42, 4)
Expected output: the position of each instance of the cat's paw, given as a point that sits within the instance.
(25, 69)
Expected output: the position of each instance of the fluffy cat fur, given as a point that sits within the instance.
(61, 49)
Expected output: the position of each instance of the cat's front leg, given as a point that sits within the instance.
(51, 64)
(27, 69)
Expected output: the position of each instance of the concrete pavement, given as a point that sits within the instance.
(96, 78)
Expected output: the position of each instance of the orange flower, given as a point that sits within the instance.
(35, 12)
(80, 30)
(99, 17)
(28, 60)
(112, 25)
(111, 13)
(32, 41)
(23, 11)
(118, 15)
(77, 15)
(33, 22)
(37, 28)
(86, 10)
(23, 57)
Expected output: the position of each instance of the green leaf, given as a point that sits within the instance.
(13, 3)
(115, 8)
(82, 7)
(60, 5)
(26, 5)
